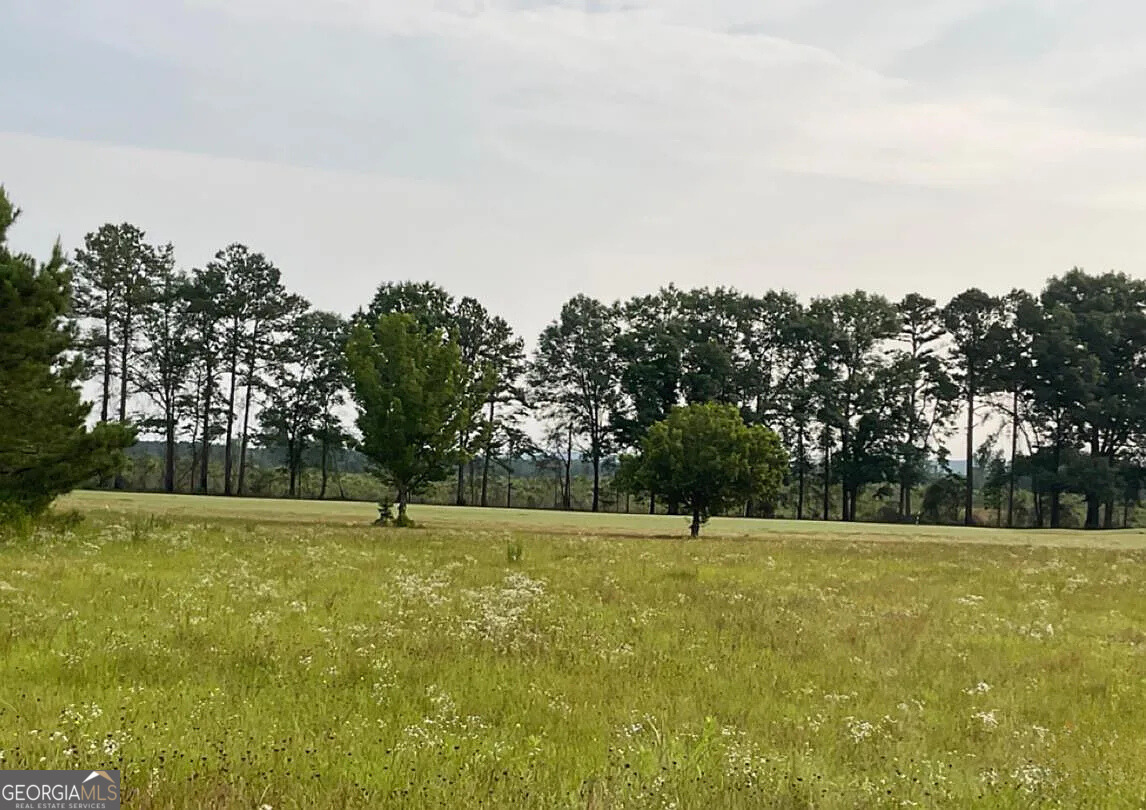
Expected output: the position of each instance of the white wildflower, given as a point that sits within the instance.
(988, 719)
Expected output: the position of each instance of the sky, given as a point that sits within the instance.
(524, 151)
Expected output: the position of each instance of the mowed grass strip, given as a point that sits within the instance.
(357, 514)
(232, 663)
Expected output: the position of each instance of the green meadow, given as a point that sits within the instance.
(279, 654)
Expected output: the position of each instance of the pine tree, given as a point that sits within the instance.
(45, 449)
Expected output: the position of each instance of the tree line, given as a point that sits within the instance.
(1048, 390)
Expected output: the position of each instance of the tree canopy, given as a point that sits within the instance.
(45, 448)
(705, 457)
(413, 401)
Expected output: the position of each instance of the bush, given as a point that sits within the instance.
(15, 521)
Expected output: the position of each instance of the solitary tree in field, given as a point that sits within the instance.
(45, 450)
(488, 351)
(706, 458)
(413, 400)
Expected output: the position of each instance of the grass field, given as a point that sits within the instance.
(253, 654)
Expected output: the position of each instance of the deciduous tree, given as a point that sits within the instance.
(705, 457)
(411, 391)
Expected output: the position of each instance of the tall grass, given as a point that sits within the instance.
(228, 665)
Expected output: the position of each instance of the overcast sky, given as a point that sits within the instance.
(523, 151)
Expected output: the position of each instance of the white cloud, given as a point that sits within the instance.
(523, 151)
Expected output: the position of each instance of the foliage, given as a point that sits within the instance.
(413, 401)
(705, 457)
(942, 499)
(864, 392)
(45, 448)
(575, 376)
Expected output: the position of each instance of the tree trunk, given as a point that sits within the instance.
(827, 482)
(325, 452)
(485, 461)
(567, 495)
(292, 468)
(245, 436)
(300, 464)
(509, 488)
(402, 497)
(844, 437)
(205, 460)
(969, 492)
(652, 504)
(1108, 513)
(124, 357)
(1055, 491)
(1093, 508)
(169, 455)
(1014, 455)
(1093, 499)
(105, 402)
(800, 465)
(694, 529)
(596, 480)
(227, 460)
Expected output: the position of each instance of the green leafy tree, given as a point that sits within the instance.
(253, 304)
(112, 277)
(304, 373)
(943, 499)
(851, 332)
(429, 304)
(167, 356)
(713, 358)
(705, 457)
(482, 340)
(45, 448)
(771, 355)
(1011, 370)
(1059, 378)
(413, 400)
(928, 394)
(649, 347)
(506, 405)
(206, 342)
(513, 444)
(970, 318)
(1109, 325)
(575, 376)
